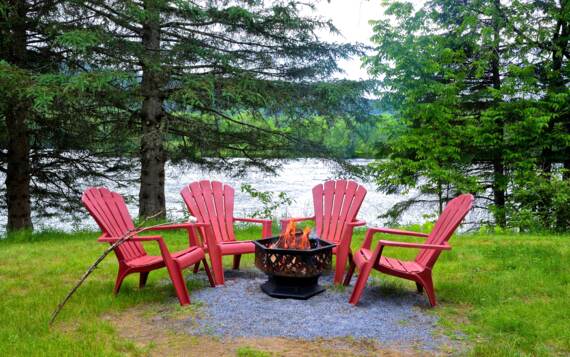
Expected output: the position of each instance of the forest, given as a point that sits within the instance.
(469, 96)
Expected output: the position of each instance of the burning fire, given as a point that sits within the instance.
(290, 240)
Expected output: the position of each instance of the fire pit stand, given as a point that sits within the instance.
(293, 273)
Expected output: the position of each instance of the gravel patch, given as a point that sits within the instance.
(241, 309)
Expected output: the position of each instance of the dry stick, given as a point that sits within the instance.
(129, 234)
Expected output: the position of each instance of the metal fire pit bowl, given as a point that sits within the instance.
(293, 273)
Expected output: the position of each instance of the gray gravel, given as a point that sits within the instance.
(241, 309)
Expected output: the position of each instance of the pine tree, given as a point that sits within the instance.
(53, 121)
(207, 74)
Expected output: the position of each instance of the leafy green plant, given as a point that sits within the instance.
(269, 202)
(541, 201)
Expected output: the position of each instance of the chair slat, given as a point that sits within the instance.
(229, 211)
(111, 214)
(454, 212)
(348, 200)
(212, 202)
(319, 209)
(328, 204)
(336, 203)
(339, 192)
(219, 206)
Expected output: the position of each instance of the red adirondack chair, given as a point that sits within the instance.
(111, 214)
(212, 202)
(418, 270)
(336, 204)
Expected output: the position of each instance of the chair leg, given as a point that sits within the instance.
(142, 280)
(179, 284)
(340, 268)
(427, 283)
(420, 287)
(208, 273)
(196, 267)
(120, 277)
(237, 259)
(350, 272)
(217, 268)
(360, 283)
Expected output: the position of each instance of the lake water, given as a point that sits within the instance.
(296, 178)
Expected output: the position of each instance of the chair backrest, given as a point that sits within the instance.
(111, 214)
(336, 203)
(454, 212)
(212, 202)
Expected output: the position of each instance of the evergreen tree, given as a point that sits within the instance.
(52, 120)
(480, 87)
(206, 75)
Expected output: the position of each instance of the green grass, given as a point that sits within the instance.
(251, 352)
(508, 294)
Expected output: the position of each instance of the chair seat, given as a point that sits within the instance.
(145, 261)
(182, 257)
(362, 256)
(400, 265)
(237, 247)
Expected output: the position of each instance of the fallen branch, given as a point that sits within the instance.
(129, 234)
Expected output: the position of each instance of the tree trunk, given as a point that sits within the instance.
(18, 171)
(153, 157)
(498, 159)
(566, 175)
(499, 193)
(18, 155)
(557, 85)
(439, 198)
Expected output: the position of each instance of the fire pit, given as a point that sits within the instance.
(293, 262)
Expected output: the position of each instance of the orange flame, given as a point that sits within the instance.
(290, 240)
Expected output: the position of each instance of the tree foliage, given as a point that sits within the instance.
(482, 88)
(53, 122)
(207, 73)
(90, 82)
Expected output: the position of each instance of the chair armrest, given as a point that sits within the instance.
(399, 232)
(357, 223)
(158, 239)
(388, 243)
(375, 258)
(176, 226)
(252, 220)
(266, 231)
(371, 231)
(346, 234)
(189, 226)
(107, 239)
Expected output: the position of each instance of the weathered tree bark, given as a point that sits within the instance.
(153, 156)
(18, 155)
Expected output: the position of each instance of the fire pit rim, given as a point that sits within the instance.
(322, 245)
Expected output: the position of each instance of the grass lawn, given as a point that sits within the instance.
(507, 294)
